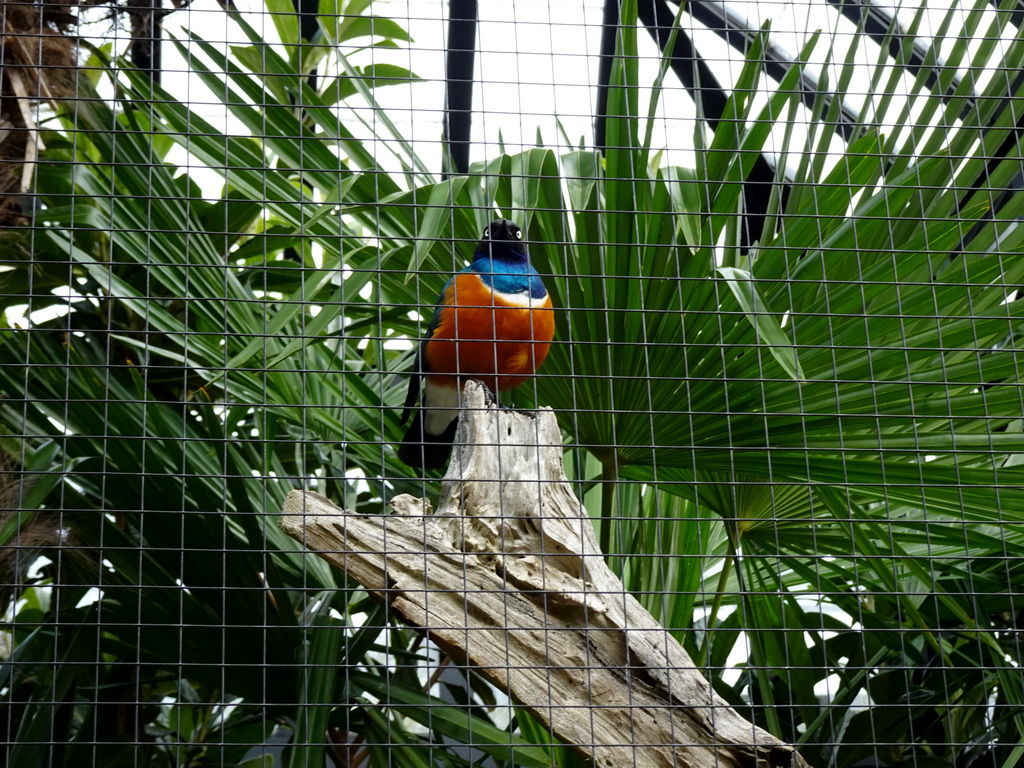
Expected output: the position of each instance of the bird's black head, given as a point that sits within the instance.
(503, 240)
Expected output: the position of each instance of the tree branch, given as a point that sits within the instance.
(507, 576)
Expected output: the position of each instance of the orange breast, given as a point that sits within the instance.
(479, 336)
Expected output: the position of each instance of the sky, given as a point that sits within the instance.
(538, 60)
(537, 67)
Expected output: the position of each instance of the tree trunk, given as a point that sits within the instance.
(507, 576)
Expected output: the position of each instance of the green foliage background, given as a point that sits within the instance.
(806, 455)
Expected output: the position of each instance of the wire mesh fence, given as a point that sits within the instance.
(739, 481)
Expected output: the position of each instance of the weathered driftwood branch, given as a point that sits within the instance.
(507, 576)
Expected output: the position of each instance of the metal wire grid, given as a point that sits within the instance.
(858, 564)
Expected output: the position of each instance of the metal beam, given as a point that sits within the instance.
(463, 16)
(700, 81)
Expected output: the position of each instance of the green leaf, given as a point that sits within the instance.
(354, 27)
(453, 722)
(435, 221)
(373, 75)
(769, 331)
(285, 19)
(319, 674)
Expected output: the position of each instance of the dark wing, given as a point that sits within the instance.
(419, 365)
(413, 396)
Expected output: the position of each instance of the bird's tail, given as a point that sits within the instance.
(421, 449)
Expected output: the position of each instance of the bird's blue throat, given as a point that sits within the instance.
(509, 275)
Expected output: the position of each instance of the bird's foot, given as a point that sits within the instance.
(489, 397)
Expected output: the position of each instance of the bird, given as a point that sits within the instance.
(493, 322)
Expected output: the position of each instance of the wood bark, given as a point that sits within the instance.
(507, 576)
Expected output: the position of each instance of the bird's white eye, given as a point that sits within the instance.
(519, 235)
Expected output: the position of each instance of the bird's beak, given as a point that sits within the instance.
(503, 233)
